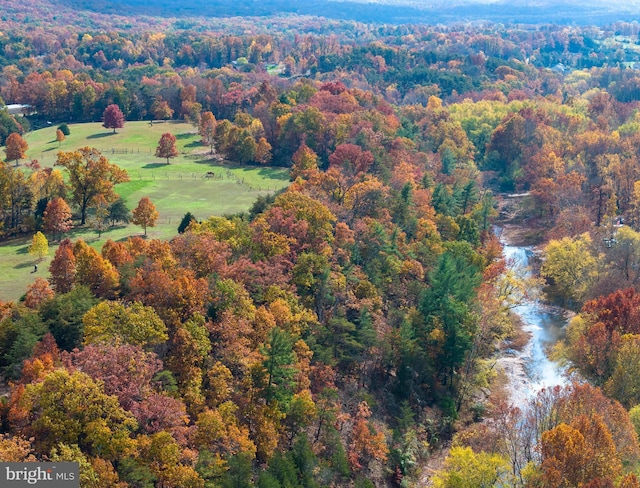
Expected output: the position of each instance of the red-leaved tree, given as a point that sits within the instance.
(37, 292)
(351, 159)
(113, 118)
(63, 268)
(126, 370)
(167, 146)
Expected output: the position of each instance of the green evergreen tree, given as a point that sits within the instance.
(445, 201)
(240, 472)
(18, 337)
(469, 196)
(338, 344)
(305, 461)
(186, 220)
(278, 364)
(338, 459)
(468, 230)
(64, 128)
(446, 305)
(63, 315)
(267, 480)
(448, 160)
(119, 212)
(136, 473)
(283, 469)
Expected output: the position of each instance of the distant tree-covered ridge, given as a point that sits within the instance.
(398, 12)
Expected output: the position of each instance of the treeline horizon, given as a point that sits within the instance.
(375, 12)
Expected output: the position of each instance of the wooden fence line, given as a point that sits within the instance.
(196, 176)
(172, 176)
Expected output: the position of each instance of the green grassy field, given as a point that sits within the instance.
(181, 186)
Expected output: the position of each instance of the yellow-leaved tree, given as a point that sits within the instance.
(90, 174)
(464, 468)
(135, 324)
(71, 408)
(39, 246)
(569, 268)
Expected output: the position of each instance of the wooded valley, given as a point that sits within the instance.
(341, 328)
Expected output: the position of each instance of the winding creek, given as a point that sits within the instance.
(530, 370)
(527, 370)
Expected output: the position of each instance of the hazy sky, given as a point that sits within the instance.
(611, 4)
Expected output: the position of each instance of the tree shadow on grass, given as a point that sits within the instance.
(198, 159)
(126, 238)
(87, 234)
(272, 175)
(23, 250)
(185, 135)
(23, 265)
(116, 227)
(100, 135)
(205, 162)
(83, 232)
(267, 173)
(154, 165)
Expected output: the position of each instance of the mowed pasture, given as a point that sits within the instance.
(194, 181)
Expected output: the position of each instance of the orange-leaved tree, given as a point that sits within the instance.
(161, 110)
(95, 272)
(366, 441)
(145, 214)
(207, 130)
(59, 137)
(37, 292)
(15, 147)
(578, 453)
(57, 217)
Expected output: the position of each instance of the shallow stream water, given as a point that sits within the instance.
(530, 369)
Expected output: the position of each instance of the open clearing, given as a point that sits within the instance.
(181, 186)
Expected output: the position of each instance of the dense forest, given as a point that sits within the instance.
(343, 331)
